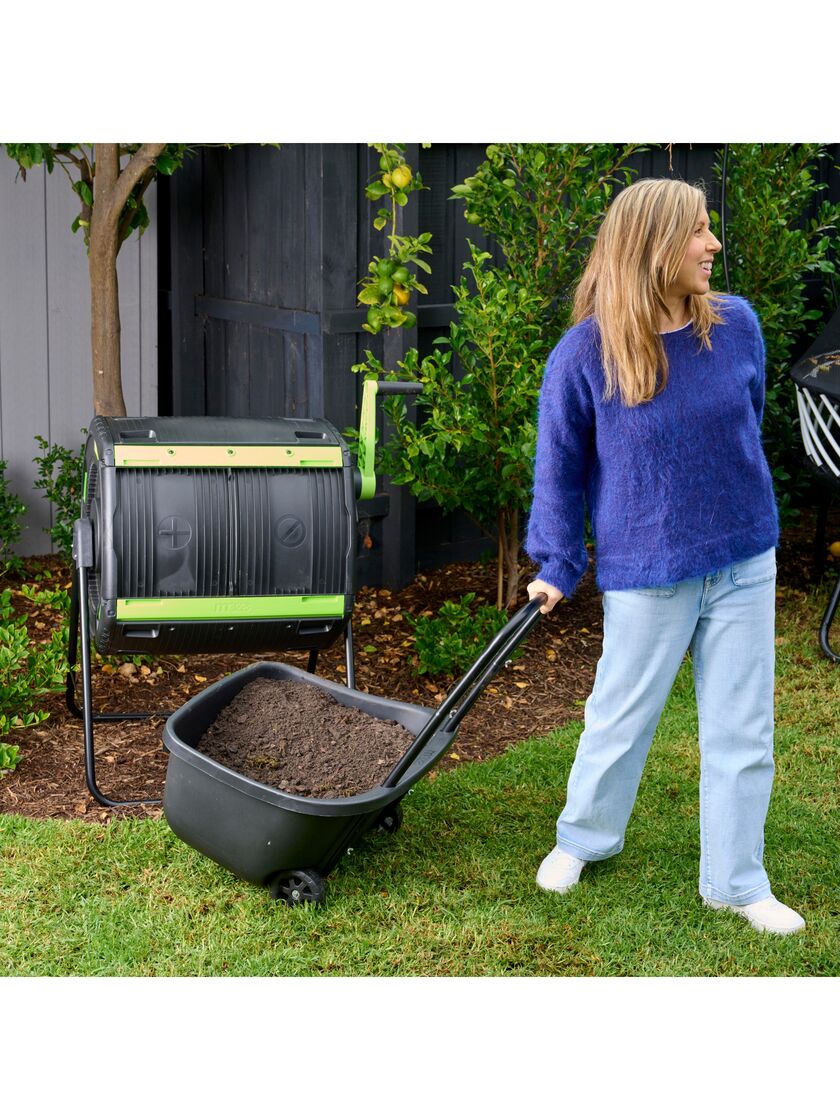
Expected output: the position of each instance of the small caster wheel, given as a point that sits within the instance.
(296, 887)
(391, 818)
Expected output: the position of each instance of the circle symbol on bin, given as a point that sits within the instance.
(177, 530)
(290, 531)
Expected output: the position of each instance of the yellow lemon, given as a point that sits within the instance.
(401, 176)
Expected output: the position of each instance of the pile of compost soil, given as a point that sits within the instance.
(299, 739)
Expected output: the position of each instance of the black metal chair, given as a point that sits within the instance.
(817, 380)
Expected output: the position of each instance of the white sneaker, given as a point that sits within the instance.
(559, 871)
(768, 915)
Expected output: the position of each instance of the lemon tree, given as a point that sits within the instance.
(386, 290)
(473, 443)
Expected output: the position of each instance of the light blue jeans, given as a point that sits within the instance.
(727, 620)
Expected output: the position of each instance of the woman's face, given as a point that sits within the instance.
(696, 268)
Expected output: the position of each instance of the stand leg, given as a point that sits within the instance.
(312, 663)
(70, 687)
(348, 655)
(82, 554)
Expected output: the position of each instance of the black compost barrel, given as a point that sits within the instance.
(218, 534)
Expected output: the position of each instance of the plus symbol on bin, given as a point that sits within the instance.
(174, 528)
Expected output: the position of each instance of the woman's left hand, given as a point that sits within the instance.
(540, 587)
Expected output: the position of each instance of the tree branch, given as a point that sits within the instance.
(125, 181)
(142, 160)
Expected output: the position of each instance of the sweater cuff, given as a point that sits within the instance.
(564, 576)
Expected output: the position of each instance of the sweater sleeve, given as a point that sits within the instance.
(757, 384)
(565, 438)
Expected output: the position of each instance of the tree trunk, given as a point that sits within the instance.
(512, 553)
(108, 397)
(111, 192)
(104, 294)
(500, 559)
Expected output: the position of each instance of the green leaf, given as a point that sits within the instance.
(370, 295)
(376, 190)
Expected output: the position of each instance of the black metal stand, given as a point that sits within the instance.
(83, 557)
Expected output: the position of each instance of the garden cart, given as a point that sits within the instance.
(290, 843)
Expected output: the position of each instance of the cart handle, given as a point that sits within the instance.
(472, 684)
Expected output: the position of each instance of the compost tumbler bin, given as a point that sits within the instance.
(218, 535)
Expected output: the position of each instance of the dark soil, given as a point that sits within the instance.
(302, 740)
(545, 687)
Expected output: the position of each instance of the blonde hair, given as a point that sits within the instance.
(636, 257)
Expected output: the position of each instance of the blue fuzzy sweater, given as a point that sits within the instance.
(676, 487)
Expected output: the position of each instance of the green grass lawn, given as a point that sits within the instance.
(453, 893)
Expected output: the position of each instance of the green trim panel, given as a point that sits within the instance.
(218, 455)
(208, 609)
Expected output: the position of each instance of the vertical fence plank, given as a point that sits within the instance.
(186, 262)
(315, 277)
(335, 262)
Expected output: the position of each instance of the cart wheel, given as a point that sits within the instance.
(296, 887)
(391, 818)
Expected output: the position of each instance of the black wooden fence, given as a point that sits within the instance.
(260, 253)
(260, 256)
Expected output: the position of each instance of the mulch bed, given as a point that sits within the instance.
(545, 687)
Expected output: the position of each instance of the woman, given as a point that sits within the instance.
(651, 410)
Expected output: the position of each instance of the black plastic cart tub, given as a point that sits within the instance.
(284, 841)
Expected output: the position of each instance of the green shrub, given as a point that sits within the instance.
(11, 511)
(27, 669)
(543, 204)
(60, 476)
(450, 641)
(773, 248)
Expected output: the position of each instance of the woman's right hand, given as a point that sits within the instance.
(538, 587)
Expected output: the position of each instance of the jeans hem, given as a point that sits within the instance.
(755, 894)
(572, 849)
